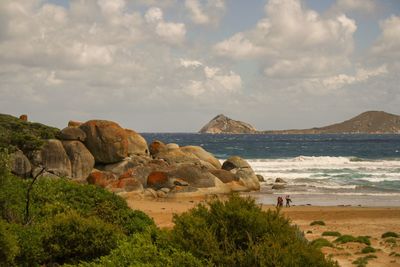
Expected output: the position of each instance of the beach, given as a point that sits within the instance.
(350, 220)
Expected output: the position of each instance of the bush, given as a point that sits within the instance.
(390, 234)
(321, 242)
(330, 233)
(12, 198)
(368, 249)
(349, 238)
(30, 242)
(391, 240)
(317, 223)
(71, 238)
(149, 248)
(57, 196)
(363, 261)
(8, 245)
(238, 233)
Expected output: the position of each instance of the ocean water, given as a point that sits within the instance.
(341, 165)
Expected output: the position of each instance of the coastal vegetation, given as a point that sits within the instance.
(331, 233)
(390, 234)
(363, 261)
(368, 249)
(321, 242)
(322, 223)
(349, 238)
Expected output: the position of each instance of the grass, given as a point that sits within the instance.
(363, 261)
(331, 233)
(368, 249)
(317, 223)
(391, 240)
(390, 234)
(394, 254)
(309, 232)
(349, 238)
(321, 242)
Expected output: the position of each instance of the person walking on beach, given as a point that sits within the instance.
(279, 202)
(288, 200)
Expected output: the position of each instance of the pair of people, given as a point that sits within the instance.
(280, 201)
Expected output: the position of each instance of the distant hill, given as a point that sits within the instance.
(370, 122)
(223, 124)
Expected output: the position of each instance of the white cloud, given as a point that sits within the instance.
(187, 63)
(293, 40)
(205, 13)
(154, 14)
(355, 5)
(388, 44)
(171, 32)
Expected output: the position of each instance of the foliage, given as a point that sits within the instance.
(349, 238)
(68, 237)
(390, 234)
(317, 223)
(368, 249)
(26, 136)
(238, 233)
(391, 240)
(321, 242)
(363, 261)
(150, 248)
(8, 245)
(331, 233)
(56, 196)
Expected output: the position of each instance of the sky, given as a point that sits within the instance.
(173, 65)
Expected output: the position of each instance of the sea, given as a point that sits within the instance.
(328, 169)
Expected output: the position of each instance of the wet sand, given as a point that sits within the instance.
(353, 220)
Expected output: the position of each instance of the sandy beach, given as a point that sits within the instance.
(352, 220)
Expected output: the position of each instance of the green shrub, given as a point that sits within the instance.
(30, 242)
(363, 261)
(391, 240)
(349, 238)
(368, 249)
(12, 198)
(238, 233)
(390, 234)
(321, 242)
(331, 233)
(317, 223)
(69, 237)
(9, 248)
(149, 248)
(394, 254)
(56, 196)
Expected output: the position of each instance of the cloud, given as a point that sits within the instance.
(294, 41)
(367, 6)
(205, 13)
(388, 44)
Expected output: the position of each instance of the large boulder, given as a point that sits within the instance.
(202, 154)
(82, 161)
(142, 172)
(100, 178)
(125, 165)
(195, 175)
(137, 145)
(74, 123)
(224, 175)
(158, 180)
(242, 171)
(20, 164)
(106, 140)
(54, 158)
(156, 147)
(72, 133)
(126, 185)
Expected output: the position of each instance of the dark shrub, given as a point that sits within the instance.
(69, 237)
(238, 233)
(331, 233)
(321, 242)
(349, 238)
(368, 250)
(390, 234)
(322, 223)
(9, 248)
(12, 197)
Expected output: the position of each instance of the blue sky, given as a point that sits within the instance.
(172, 65)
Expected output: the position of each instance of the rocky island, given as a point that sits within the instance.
(369, 122)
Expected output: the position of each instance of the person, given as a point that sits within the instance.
(288, 200)
(279, 202)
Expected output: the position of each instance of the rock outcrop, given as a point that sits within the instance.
(72, 134)
(54, 159)
(20, 164)
(222, 124)
(82, 161)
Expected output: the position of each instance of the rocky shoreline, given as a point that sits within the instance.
(102, 153)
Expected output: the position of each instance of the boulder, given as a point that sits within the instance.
(82, 162)
(74, 123)
(202, 154)
(224, 175)
(72, 133)
(156, 147)
(106, 140)
(23, 117)
(127, 185)
(100, 178)
(141, 172)
(137, 145)
(242, 171)
(172, 146)
(280, 180)
(125, 165)
(54, 158)
(150, 193)
(161, 194)
(158, 179)
(195, 175)
(20, 164)
(260, 178)
(235, 162)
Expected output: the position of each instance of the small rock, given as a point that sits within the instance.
(172, 146)
(23, 117)
(280, 180)
(166, 190)
(161, 194)
(74, 123)
(260, 178)
(149, 192)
